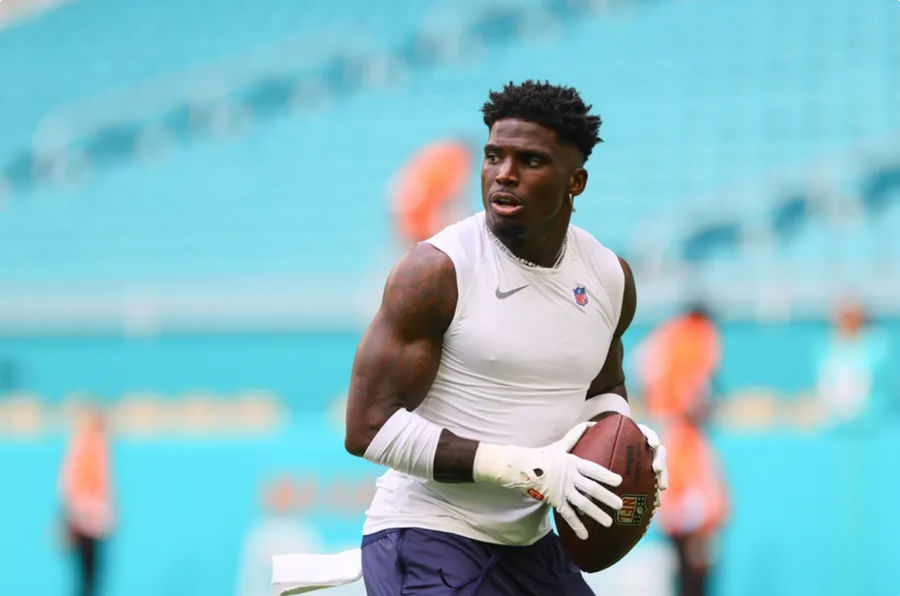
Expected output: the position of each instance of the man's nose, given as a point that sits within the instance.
(506, 173)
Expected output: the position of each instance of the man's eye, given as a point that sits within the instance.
(533, 162)
(491, 158)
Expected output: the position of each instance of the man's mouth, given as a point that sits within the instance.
(502, 198)
(505, 203)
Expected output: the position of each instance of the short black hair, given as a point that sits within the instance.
(553, 106)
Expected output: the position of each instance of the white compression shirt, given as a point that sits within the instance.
(523, 346)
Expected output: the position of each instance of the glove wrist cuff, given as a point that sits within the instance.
(490, 463)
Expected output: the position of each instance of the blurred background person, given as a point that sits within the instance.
(849, 366)
(87, 498)
(856, 405)
(678, 364)
(427, 190)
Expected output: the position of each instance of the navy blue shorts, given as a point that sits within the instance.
(415, 562)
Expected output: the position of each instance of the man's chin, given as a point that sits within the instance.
(507, 229)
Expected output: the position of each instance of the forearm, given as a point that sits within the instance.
(454, 458)
(410, 444)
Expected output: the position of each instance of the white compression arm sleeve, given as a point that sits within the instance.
(406, 442)
(606, 402)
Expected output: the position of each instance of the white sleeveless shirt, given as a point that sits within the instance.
(518, 357)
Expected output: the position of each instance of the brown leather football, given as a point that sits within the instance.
(617, 443)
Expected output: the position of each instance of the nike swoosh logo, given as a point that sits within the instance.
(502, 295)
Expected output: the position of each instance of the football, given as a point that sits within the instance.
(617, 443)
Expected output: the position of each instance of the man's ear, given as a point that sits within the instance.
(577, 181)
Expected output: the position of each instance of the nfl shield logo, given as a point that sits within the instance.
(632, 511)
(580, 296)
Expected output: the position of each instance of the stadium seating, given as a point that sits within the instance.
(282, 169)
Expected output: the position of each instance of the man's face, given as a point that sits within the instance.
(526, 177)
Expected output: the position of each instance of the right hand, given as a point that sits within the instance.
(553, 475)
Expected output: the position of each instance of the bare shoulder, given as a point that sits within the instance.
(420, 295)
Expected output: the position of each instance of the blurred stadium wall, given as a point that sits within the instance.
(195, 227)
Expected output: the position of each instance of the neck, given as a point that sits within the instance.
(544, 249)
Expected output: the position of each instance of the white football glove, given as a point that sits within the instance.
(659, 461)
(553, 475)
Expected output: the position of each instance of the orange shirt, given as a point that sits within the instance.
(681, 359)
(432, 178)
(85, 481)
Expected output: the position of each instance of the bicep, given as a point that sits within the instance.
(398, 357)
(391, 369)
